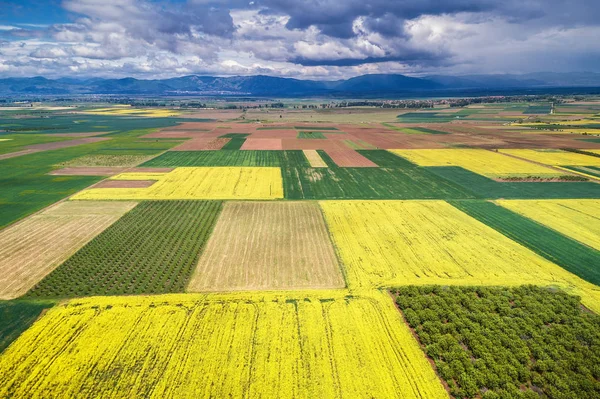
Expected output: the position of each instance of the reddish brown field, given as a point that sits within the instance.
(274, 134)
(350, 159)
(262, 144)
(88, 171)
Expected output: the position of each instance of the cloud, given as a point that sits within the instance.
(312, 38)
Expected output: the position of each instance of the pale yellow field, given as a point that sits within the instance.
(555, 157)
(267, 246)
(147, 112)
(196, 183)
(314, 159)
(576, 218)
(293, 345)
(391, 243)
(483, 162)
(31, 249)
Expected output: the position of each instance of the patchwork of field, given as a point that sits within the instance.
(578, 219)
(249, 252)
(33, 248)
(218, 183)
(555, 158)
(325, 345)
(386, 243)
(267, 246)
(153, 249)
(483, 162)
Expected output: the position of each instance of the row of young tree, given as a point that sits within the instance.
(495, 342)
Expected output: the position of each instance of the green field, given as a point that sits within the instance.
(571, 255)
(482, 187)
(525, 342)
(310, 135)
(153, 249)
(408, 182)
(17, 316)
(216, 158)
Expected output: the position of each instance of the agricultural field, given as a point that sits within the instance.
(153, 249)
(523, 342)
(483, 162)
(227, 345)
(196, 183)
(387, 243)
(577, 219)
(245, 251)
(267, 246)
(33, 248)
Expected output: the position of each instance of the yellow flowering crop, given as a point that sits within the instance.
(197, 183)
(147, 112)
(391, 243)
(576, 218)
(483, 162)
(303, 345)
(555, 157)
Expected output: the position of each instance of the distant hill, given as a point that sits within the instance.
(260, 85)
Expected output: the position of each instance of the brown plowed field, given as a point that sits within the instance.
(274, 134)
(270, 246)
(262, 144)
(350, 159)
(31, 249)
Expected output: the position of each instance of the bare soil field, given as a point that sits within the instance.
(272, 246)
(350, 159)
(31, 249)
(262, 144)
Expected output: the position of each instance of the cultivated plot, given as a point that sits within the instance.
(483, 162)
(276, 245)
(576, 218)
(259, 345)
(33, 248)
(555, 157)
(314, 159)
(218, 183)
(384, 243)
(151, 250)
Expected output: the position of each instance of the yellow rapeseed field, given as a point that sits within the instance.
(222, 183)
(555, 157)
(129, 111)
(483, 162)
(294, 345)
(391, 243)
(576, 218)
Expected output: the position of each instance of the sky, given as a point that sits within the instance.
(312, 39)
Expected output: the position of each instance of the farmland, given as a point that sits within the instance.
(243, 250)
(151, 250)
(197, 183)
(216, 346)
(569, 217)
(29, 251)
(481, 347)
(262, 245)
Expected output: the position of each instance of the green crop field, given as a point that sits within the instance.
(310, 135)
(483, 187)
(366, 183)
(525, 342)
(577, 258)
(215, 158)
(17, 316)
(153, 249)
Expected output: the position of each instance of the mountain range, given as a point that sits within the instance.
(260, 85)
